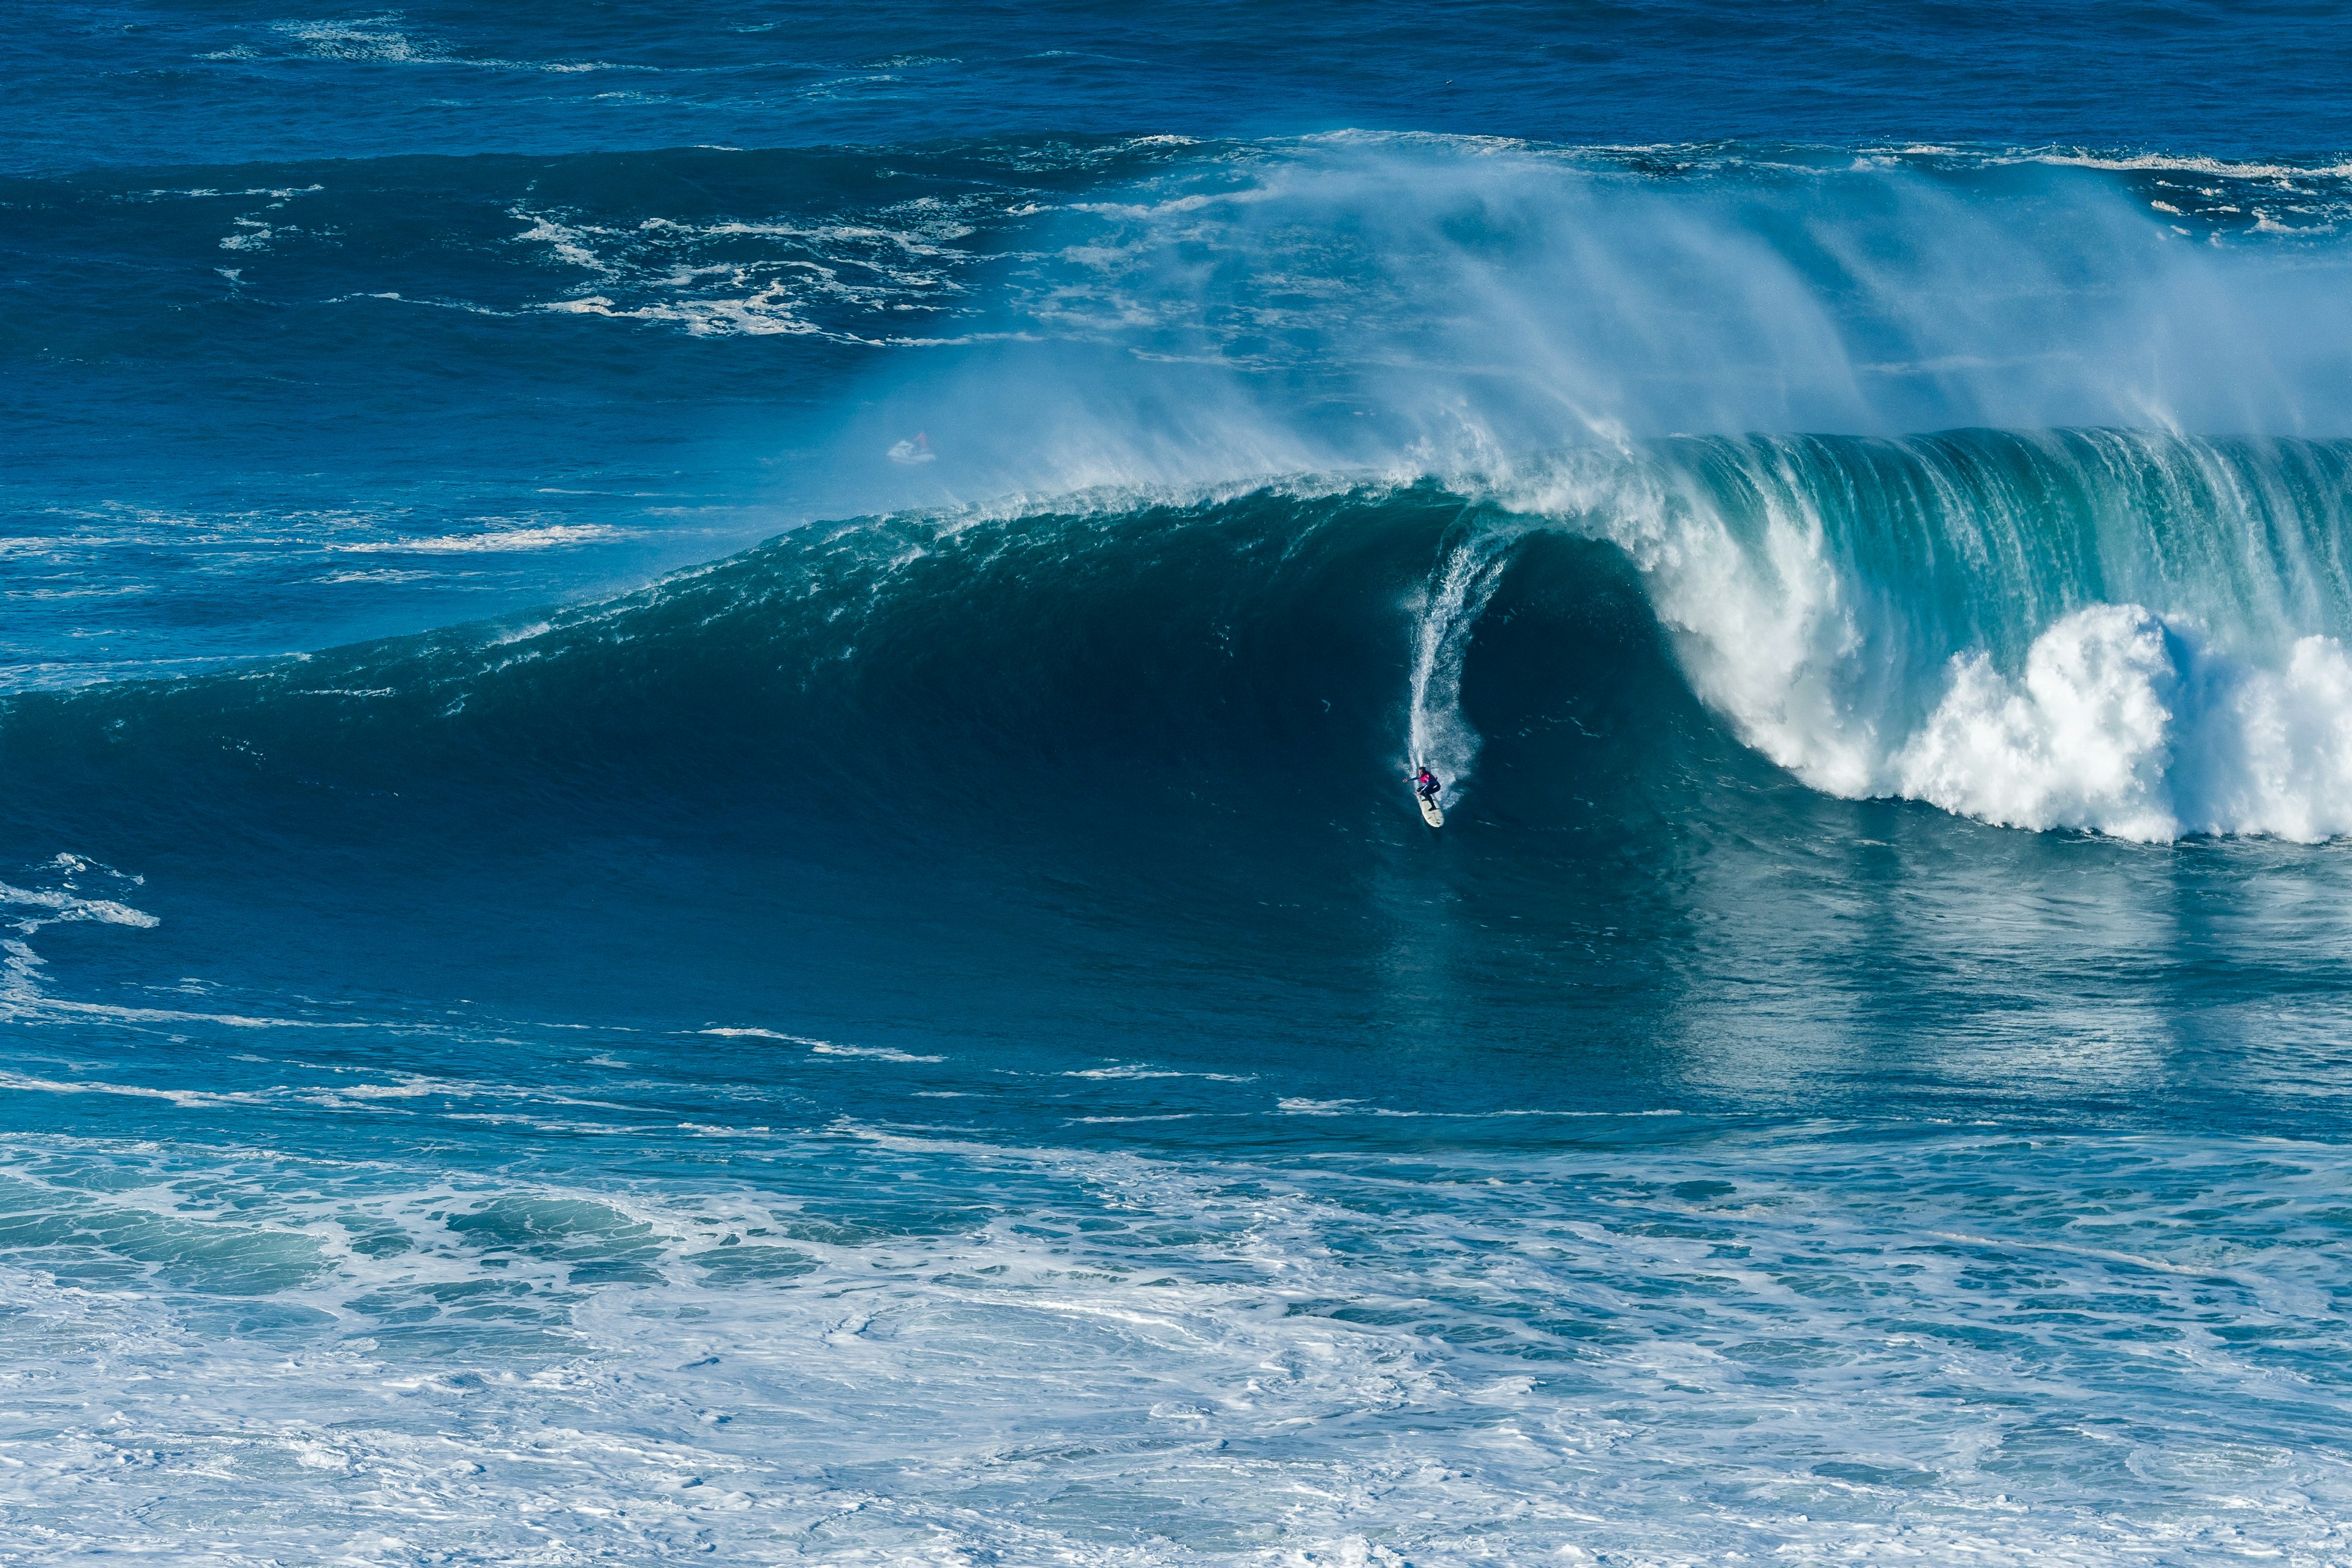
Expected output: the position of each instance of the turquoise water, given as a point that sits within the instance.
(706, 857)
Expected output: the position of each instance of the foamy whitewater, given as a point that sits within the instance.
(2135, 633)
(704, 723)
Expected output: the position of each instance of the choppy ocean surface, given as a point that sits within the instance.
(702, 715)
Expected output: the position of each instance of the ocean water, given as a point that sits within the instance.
(702, 837)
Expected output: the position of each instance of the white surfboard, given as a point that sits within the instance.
(1428, 812)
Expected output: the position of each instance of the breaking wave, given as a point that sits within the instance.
(2132, 633)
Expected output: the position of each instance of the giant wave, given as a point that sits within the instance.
(2136, 633)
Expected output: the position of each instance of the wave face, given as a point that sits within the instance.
(1287, 643)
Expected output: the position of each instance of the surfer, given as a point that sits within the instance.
(1425, 788)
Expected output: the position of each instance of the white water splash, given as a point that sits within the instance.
(2163, 662)
(2124, 723)
(1439, 736)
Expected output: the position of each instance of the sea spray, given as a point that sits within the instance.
(1445, 614)
(1435, 305)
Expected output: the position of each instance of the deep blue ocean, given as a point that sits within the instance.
(703, 839)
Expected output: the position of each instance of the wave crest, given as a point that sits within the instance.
(2123, 631)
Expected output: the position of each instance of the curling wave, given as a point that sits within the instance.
(2139, 634)
(2132, 633)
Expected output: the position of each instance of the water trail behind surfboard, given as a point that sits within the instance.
(1464, 578)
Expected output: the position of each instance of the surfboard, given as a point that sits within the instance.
(1428, 812)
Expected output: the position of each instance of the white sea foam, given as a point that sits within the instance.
(370, 38)
(380, 40)
(61, 904)
(2206, 710)
(762, 1035)
(765, 313)
(876, 1053)
(494, 541)
(2194, 164)
(2121, 723)
(1642, 1355)
(1145, 1069)
(762, 278)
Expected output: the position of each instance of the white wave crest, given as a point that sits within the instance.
(2159, 657)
